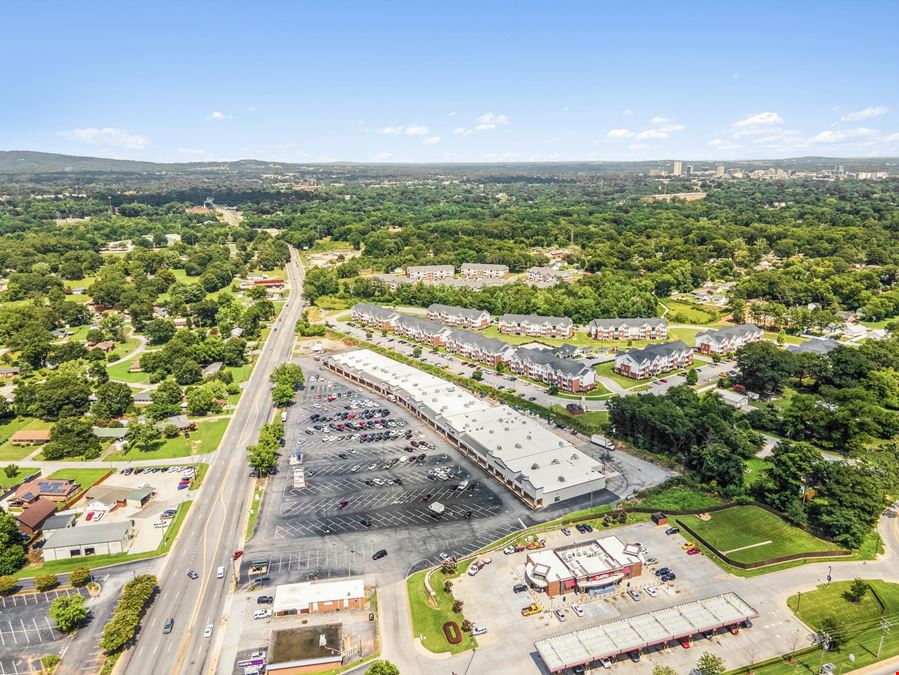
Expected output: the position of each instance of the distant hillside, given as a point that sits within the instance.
(24, 162)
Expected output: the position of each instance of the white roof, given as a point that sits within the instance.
(516, 441)
(299, 596)
(643, 630)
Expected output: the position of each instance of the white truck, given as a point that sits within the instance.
(602, 441)
(436, 508)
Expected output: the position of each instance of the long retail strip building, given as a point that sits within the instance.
(535, 464)
(661, 628)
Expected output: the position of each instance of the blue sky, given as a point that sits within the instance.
(450, 81)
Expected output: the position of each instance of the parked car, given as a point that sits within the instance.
(264, 600)
(693, 551)
(662, 571)
(685, 642)
(379, 554)
(672, 530)
(237, 554)
(650, 591)
(365, 521)
(605, 662)
(519, 588)
(478, 630)
(634, 656)
(566, 531)
(531, 609)
(688, 545)
(577, 609)
(561, 615)
(671, 576)
(634, 594)
(651, 561)
(262, 614)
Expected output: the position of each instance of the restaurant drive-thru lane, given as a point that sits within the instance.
(214, 528)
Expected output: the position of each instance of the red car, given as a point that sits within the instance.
(343, 504)
(684, 642)
(734, 629)
(236, 555)
(693, 551)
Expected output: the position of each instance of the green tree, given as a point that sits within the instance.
(659, 669)
(188, 373)
(202, 400)
(282, 394)
(72, 437)
(382, 667)
(44, 582)
(8, 585)
(287, 373)
(68, 612)
(692, 376)
(80, 576)
(477, 375)
(142, 436)
(11, 470)
(12, 553)
(763, 368)
(159, 331)
(709, 664)
(113, 400)
(167, 392)
(856, 591)
(416, 351)
(262, 458)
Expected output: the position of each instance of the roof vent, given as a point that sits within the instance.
(518, 445)
(535, 466)
(555, 461)
(561, 479)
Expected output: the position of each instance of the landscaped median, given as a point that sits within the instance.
(429, 615)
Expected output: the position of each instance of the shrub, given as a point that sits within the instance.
(80, 576)
(44, 582)
(121, 629)
(457, 606)
(8, 585)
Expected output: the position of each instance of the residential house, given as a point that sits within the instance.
(536, 326)
(430, 272)
(25, 437)
(104, 346)
(110, 433)
(35, 514)
(180, 422)
(543, 365)
(628, 329)
(463, 317)
(478, 347)
(269, 283)
(728, 339)
(9, 371)
(143, 397)
(421, 330)
(236, 332)
(653, 360)
(375, 315)
(212, 369)
(815, 346)
(484, 271)
(54, 489)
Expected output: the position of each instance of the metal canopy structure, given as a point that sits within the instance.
(642, 631)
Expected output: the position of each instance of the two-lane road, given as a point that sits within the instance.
(214, 527)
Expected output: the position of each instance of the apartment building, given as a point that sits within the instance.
(654, 360)
(463, 317)
(543, 365)
(484, 271)
(421, 330)
(383, 318)
(545, 276)
(477, 347)
(430, 272)
(536, 326)
(628, 329)
(728, 339)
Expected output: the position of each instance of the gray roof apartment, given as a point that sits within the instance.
(740, 331)
(815, 346)
(430, 269)
(375, 311)
(655, 322)
(492, 346)
(546, 358)
(652, 352)
(420, 325)
(461, 312)
(486, 267)
(533, 319)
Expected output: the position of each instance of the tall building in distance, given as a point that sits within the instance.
(719, 171)
(678, 168)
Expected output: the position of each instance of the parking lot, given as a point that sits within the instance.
(490, 601)
(26, 631)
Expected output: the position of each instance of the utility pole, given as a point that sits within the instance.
(884, 629)
(824, 639)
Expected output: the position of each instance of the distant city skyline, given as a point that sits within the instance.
(466, 82)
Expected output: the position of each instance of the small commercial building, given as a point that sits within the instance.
(310, 597)
(59, 521)
(138, 498)
(87, 540)
(32, 519)
(306, 649)
(595, 567)
(107, 497)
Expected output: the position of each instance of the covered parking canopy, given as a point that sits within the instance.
(644, 630)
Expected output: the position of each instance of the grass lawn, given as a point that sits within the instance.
(754, 469)
(84, 477)
(761, 535)
(788, 339)
(120, 373)
(606, 370)
(427, 621)
(7, 482)
(688, 335)
(202, 468)
(205, 439)
(8, 452)
(859, 628)
(258, 491)
(94, 561)
(593, 419)
(687, 312)
(579, 339)
(680, 498)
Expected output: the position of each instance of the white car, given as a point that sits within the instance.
(509, 550)
(355, 468)
(479, 630)
(605, 662)
(403, 459)
(473, 569)
(372, 467)
(560, 615)
(651, 591)
(208, 631)
(577, 609)
(262, 614)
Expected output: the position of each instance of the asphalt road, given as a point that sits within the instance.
(214, 528)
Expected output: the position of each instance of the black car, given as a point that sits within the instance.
(379, 554)
(168, 626)
(264, 600)
(635, 656)
(672, 530)
(588, 528)
(671, 576)
(519, 588)
(366, 522)
(662, 571)
(580, 528)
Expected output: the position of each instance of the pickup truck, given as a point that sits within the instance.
(531, 609)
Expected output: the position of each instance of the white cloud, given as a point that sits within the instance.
(652, 135)
(620, 133)
(671, 126)
(892, 138)
(462, 131)
(383, 156)
(659, 120)
(762, 119)
(865, 114)
(490, 118)
(408, 130)
(119, 138)
(217, 116)
(843, 135)
(627, 113)
(451, 114)
(431, 140)
(191, 151)
(251, 108)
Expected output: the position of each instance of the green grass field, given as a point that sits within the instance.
(7, 482)
(685, 312)
(858, 625)
(84, 477)
(749, 534)
(205, 439)
(679, 498)
(755, 470)
(120, 373)
(8, 452)
(607, 370)
(258, 491)
(427, 621)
